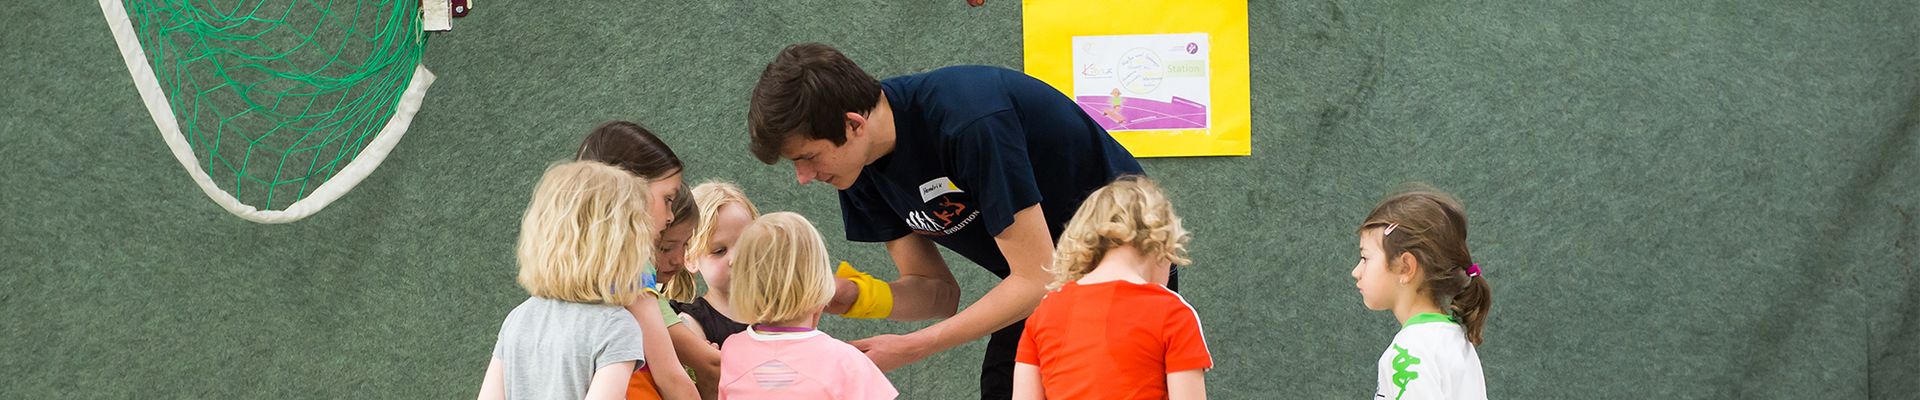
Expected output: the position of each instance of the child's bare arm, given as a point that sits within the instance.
(1026, 382)
(696, 353)
(1187, 385)
(493, 386)
(662, 363)
(610, 382)
(686, 320)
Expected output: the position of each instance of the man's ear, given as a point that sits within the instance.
(856, 125)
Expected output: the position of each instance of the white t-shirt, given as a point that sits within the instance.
(1430, 359)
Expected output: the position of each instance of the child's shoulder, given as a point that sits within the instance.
(1424, 341)
(1431, 360)
(1158, 297)
(815, 342)
(1117, 287)
(814, 348)
(735, 338)
(537, 313)
(835, 346)
(842, 354)
(1141, 299)
(1430, 334)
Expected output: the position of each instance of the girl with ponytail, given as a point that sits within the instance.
(1414, 261)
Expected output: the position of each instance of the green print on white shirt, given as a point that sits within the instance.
(1430, 359)
(1402, 376)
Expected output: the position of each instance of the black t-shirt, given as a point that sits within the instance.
(716, 325)
(973, 145)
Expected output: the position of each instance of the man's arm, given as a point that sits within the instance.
(926, 288)
(1028, 249)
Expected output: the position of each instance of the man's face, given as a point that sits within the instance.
(820, 160)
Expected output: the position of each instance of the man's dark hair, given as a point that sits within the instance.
(806, 92)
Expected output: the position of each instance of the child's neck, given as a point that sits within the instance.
(1123, 263)
(809, 322)
(1418, 303)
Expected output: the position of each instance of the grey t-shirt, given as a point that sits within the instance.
(550, 348)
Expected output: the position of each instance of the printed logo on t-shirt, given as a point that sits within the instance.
(947, 211)
(1402, 375)
(775, 375)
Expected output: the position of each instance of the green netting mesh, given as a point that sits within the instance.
(276, 96)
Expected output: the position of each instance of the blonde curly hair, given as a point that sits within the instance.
(1130, 211)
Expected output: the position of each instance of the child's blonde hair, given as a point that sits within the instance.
(708, 198)
(1129, 211)
(780, 271)
(586, 235)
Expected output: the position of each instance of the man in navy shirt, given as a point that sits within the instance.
(985, 161)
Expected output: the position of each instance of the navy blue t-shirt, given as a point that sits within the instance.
(973, 145)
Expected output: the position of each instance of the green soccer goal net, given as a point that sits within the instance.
(275, 108)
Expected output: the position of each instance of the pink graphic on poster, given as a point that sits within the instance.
(1143, 82)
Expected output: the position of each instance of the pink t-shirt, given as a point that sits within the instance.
(809, 365)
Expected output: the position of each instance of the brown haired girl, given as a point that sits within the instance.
(676, 355)
(1414, 261)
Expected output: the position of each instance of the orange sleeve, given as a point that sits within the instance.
(1186, 343)
(1026, 353)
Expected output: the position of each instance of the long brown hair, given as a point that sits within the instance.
(637, 150)
(1432, 226)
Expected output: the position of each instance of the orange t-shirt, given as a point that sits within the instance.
(1112, 340)
(641, 386)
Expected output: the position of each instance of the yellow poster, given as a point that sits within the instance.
(1166, 78)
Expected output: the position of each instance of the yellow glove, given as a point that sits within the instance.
(876, 298)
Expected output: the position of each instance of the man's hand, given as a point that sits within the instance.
(893, 351)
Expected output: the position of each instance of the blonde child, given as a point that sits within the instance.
(1414, 261)
(724, 212)
(583, 243)
(698, 215)
(1110, 328)
(781, 283)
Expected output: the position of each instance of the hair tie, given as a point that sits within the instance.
(1473, 270)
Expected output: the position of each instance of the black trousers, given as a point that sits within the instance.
(996, 371)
